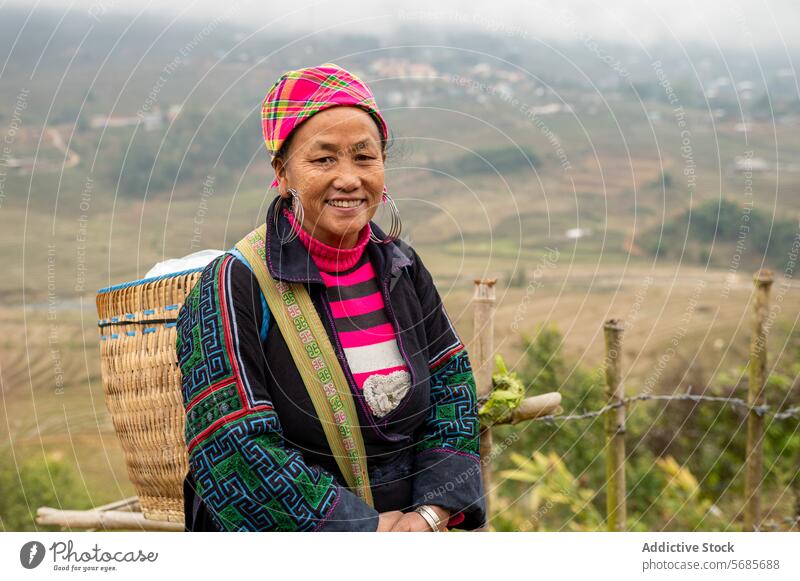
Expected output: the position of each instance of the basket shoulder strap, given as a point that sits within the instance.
(315, 359)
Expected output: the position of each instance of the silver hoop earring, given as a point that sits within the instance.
(396, 226)
(296, 209)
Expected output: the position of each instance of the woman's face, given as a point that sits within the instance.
(335, 163)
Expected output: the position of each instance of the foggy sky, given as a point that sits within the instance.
(728, 23)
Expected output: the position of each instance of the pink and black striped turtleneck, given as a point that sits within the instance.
(359, 312)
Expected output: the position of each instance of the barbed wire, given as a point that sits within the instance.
(790, 413)
(773, 524)
(762, 410)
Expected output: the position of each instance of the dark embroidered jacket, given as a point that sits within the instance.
(258, 457)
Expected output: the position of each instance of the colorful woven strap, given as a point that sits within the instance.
(316, 361)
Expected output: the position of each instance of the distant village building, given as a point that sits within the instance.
(173, 112)
(151, 121)
(575, 233)
(549, 109)
(20, 164)
(743, 164)
(403, 68)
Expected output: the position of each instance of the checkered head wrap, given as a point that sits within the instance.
(297, 95)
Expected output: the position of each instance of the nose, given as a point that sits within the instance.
(348, 178)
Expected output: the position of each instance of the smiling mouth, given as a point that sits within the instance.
(344, 203)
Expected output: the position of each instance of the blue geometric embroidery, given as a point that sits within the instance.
(243, 471)
(201, 351)
(251, 483)
(452, 421)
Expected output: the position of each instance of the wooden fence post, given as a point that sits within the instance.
(482, 359)
(615, 428)
(757, 372)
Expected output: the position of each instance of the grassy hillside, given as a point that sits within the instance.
(485, 188)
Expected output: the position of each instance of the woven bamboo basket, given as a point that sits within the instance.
(142, 384)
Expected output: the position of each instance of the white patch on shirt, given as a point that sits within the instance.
(384, 392)
(374, 357)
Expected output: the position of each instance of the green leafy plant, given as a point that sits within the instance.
(507, 393)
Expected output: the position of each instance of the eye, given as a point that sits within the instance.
(363, 156)
(323, 160)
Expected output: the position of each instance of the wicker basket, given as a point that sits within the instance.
(142, 384)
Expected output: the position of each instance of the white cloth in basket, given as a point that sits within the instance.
(195, 260)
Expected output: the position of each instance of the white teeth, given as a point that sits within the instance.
(344, 203)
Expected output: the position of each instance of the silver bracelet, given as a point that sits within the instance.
(430, 517)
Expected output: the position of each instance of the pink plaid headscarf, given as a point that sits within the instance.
(297, 95)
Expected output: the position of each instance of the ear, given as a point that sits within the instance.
(279, 165)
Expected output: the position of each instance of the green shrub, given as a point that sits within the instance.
(48, 481)
(684, 466)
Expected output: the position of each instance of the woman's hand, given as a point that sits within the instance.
(413, 522)
(386, 520)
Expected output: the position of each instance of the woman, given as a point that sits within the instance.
(260, 457)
